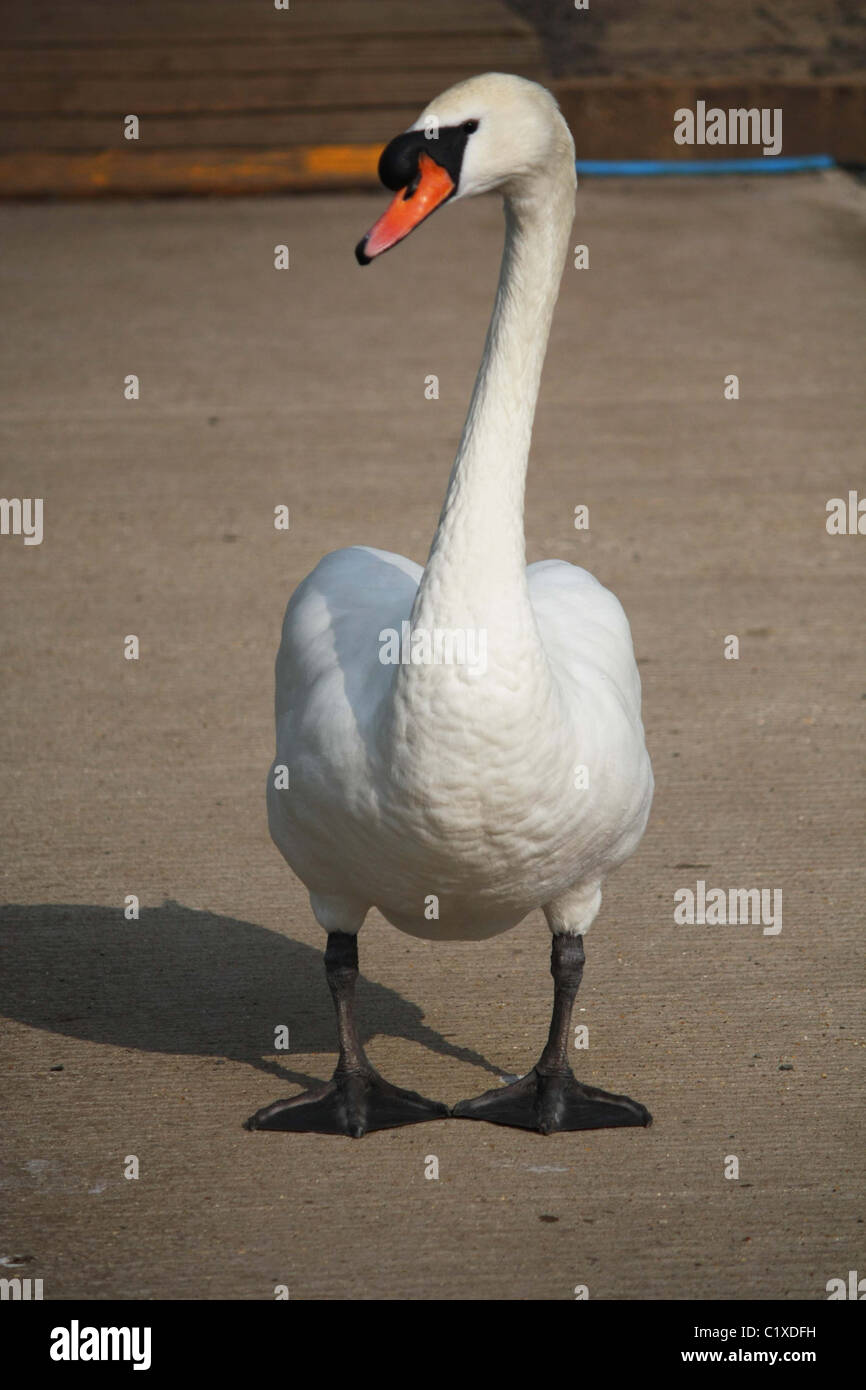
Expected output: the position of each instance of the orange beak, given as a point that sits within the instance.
(410, 207)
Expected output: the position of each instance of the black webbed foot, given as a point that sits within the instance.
(352, 1102)
(550, 1103)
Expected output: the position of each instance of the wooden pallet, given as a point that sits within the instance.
(231, 95)
(236, 96)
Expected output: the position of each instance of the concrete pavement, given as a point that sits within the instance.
(707, 518)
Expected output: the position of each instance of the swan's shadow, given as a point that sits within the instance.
(182, 981)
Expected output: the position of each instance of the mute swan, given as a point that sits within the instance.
(483, 788)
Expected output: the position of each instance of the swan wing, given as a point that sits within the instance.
(585, 632)
(332, 626)
(588, 643)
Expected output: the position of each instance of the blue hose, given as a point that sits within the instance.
(642, 168)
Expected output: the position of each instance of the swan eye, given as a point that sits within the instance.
(470, 126)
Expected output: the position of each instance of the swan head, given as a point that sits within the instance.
(491, 132)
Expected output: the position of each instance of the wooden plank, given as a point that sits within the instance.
(185, 95)
(236, 79)
(148, 173)
(232, 131)
(481, 52)
(736, 40)
(610, 121)
(124, 21)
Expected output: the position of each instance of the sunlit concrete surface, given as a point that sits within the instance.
(305, 387)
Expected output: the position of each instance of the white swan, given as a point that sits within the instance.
(491, 786)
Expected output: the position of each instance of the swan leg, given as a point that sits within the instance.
(549, 1098)
(357, 1099)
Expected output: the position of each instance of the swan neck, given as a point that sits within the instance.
(478, 557)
